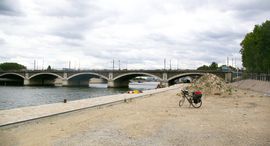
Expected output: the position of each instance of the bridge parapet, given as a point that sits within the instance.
(114, 77)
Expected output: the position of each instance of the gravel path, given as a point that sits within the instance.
(255, 85)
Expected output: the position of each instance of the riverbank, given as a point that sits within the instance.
(240, 119)
(18, 115)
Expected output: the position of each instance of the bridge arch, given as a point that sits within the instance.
(16, 74)
(123, 79)
(45, 79)
(83, 78)
(11, 79)
(134, 74)
(171, 79)
(184, 74)
(88, 73)
(45, 73)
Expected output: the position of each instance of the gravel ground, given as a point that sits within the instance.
(240, 119)
(255, 85)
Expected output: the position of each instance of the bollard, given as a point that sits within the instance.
(65, 100)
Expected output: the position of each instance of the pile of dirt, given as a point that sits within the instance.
(211, 84)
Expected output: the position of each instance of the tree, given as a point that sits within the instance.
(256, 49)
(213, 66)
(204, 67)
(7, 66)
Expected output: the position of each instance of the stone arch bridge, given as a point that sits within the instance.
(114, 78)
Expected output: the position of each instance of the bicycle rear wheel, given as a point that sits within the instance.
(196, 105)
(181, 102)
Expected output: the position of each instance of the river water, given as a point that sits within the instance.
(21, 96)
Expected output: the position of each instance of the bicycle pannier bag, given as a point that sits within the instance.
(197, 95)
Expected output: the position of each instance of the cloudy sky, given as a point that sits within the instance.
(139, 33)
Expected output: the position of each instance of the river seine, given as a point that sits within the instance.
(21, 96)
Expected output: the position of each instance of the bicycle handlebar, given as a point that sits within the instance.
(185, 92)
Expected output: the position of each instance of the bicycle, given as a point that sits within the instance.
(194, 99)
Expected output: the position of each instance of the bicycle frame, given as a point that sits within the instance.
(185, 95)
(188, 97)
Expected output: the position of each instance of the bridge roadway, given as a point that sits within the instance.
(114, 78)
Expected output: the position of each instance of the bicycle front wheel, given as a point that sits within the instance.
(181, 102)
(196, 105)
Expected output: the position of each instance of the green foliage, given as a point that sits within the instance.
(204, 67)
(256, 49)
(11, 66)
(213, 66)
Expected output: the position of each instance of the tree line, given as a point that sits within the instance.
(11, 66)
(214, 67)
(256, 49)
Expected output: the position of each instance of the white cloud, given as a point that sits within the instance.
(140, 33)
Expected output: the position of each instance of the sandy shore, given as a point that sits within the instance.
(241, 119)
